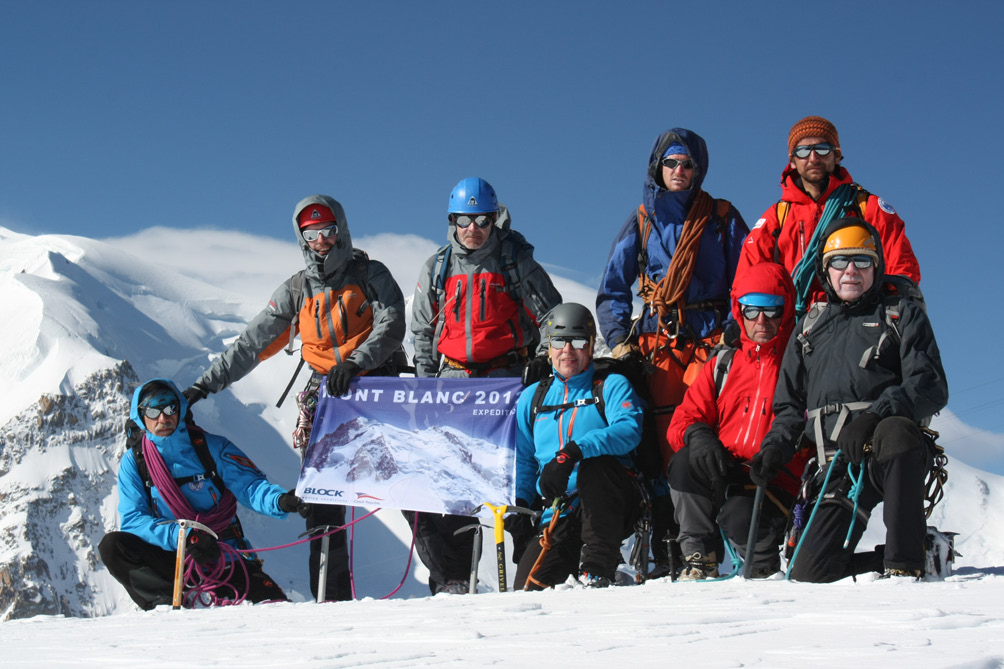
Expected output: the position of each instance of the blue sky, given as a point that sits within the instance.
(118, 116)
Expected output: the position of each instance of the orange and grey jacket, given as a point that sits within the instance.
(344, 306)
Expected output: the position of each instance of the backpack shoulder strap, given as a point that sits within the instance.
(815, 311)
(781, 209)
(198, 439)
(723, 363)
(440, 269)
(538, 399)
(510, 249)
(860, 199)
(297, 287)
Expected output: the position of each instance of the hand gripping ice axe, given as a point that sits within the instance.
(179, 563)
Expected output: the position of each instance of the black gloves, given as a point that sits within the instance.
(856, 434)
(522, 528)
(290, 503)
(707, 453)
(766, 464)
(194, 393)
(203, 548)
(554, 477)
(339, 377)
(536, 369)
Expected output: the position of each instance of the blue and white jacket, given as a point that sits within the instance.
(618, 435)
(240, 475)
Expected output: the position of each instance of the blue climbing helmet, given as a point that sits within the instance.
(473, 196)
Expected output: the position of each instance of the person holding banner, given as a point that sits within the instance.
(576, 452)
(177, 471)
(476, 313)
(349, 313)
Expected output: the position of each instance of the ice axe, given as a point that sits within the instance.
(183, 526)
(322, 566)
(472, 586)
(754, 526)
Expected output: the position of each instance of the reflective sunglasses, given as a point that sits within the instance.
(861, 262)
(153, 412)
(671, 163)
(312, 235)
(752, 313)
(578, 343)
(820, 149)
(481, 220)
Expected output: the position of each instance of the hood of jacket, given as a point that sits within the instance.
(773, 279)
(180, 435)
(491, 246)
(873, 293)
(654, 193)
(323, 267)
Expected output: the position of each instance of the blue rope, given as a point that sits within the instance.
(805, 270)
(854, 493)
(812, 516)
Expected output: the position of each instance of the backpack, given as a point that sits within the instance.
(134, 440)
(646, 455)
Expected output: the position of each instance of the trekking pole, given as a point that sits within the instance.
(754, 526)
(322, 564)
(179, 562)
(472, 585)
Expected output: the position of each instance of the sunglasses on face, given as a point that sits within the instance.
(820, 149)
(861, 262)
(153, 412)
(671, 163)
(481, 220)
(312, 235)
(752, 313)
(578, 343)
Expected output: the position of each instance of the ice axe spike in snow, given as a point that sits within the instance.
(751, 539)
(322, 567)
(472, 587)
(179, 563)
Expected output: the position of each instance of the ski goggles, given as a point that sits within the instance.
(312, 235)
(154, 412)
(578, 343)
(841, 262)
(804, 150)
(752, 313)
(671, 163)
(481, 220)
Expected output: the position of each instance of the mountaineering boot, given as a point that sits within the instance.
(697, 567)
(593, 581)
(915, 574)
(455, 587)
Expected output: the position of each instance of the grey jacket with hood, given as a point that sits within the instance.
(536, 293)
(269, 331)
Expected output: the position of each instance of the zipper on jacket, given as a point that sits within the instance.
(344, 317)
(456, 302)
(801, 239)
(317, 317)
(484, 299)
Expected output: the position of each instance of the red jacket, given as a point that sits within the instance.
(742, 413)
(789, 243)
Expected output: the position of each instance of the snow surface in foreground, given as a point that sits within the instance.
(955, 623)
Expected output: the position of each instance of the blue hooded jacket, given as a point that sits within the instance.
(245, 481)
(717, 255)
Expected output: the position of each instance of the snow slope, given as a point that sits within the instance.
(166, 302)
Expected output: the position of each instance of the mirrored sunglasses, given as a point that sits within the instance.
(481, 220)
(312, 235)
(153, 412)
(577, 343)
(820, 149)
(671, 163)
(752, 313)
(861, 262)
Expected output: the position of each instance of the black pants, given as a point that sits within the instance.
(588, 539)
(147, 572)
(701, 510)
(446, 554)
(895, 473)
(338, 586)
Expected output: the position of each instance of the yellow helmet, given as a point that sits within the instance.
(851, 240)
